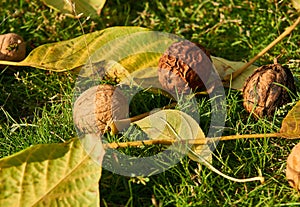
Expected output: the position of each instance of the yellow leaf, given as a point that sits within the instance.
(85, 7)
(296, 4)
(48, 174)
(290, 127)
(172, 124)
(226, 67)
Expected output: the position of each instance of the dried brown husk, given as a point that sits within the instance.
(268, 88)
(185, 66)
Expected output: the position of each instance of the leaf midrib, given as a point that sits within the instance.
(63, 177)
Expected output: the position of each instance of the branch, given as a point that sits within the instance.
(272, 44)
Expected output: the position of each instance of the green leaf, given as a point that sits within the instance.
(290, 127)
(50, 175)
(86, 7)
(226, 67)
(162, 125)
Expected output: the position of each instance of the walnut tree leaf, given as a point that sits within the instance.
(227, 67)
(290, 127)
(75, 53)
(200, 159)
(87, 8)
(123, 50)
(296, 4)
(174, 124)
(51, 174)
(160, 125)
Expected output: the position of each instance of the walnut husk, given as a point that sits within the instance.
(267, 89)
(97, 108)
(185, 66)
(12, 47)
(293, 167)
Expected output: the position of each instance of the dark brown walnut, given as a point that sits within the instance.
(185, 66)
(267, 89)
(293, 167)
(97, 108)
(12, 47)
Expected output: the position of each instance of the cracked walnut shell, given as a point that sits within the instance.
(184, 66)
(97, 108)
(293, 167)
(267, 89)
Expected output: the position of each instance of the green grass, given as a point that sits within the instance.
(36, 106)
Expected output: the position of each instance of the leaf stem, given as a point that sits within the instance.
(118, 125)
(202, 141)
(203, 161)
(5, 62)
(272, 44)
(215, 170)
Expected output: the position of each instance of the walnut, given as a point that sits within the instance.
(184, 66)
(97, 108)
(293, 167)
(267, 89)
(12, 47)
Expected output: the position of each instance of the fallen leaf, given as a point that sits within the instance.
(290, 127)
(225, 67)
(160, 125)
(78, 52)
(87, 8)
(296, 4)
(177, 125)
(125, 53)
(52, 174)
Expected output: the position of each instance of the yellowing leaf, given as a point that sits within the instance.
(296, 4)
(122, 52)
(171, 124)
(226, 67)
(290, 127)
(146, 77)
(178, 125)
(77, 52)
(86, 7)
(51, 175)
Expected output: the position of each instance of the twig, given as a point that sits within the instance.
(272, 44)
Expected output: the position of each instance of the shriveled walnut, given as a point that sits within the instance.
(293, 167)
(97, 108)
(184, 66)
(267, 89)
(12, 47)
